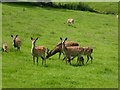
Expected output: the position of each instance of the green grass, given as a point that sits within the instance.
(90, 29)
(104, 7)
(100, 7)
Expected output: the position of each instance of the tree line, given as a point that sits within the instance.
(66, 5)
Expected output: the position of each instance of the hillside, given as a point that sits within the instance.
(98, 7)
(104, 7)
(49, 24)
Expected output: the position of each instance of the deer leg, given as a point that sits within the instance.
(82, 59)
(69, 60)
(59, 54)
(64, 58)
(18, 48)
(42, 60)
(33, 60)
(87, 59)
(91, 58)
(78, 60)
(37, 60)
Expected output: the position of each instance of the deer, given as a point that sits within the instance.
(38, 51)
(5, 47)
(88, 51)
(58, 48)
(70, 21)
(16, 42)
(73, 51)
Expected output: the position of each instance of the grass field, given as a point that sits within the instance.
(104, 7)
(100, 7)
(49, 24)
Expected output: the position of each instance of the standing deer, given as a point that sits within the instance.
(70, 21)
(58, 48)
(5, 47)
(16, 42)
(88, 51)
(38, 51)
(73, 51)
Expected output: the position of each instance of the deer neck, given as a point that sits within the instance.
(54, 51)
(64, 48)
(33, 48)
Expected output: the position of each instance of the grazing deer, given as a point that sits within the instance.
(38, 51)
(72, 51)
(70, 21)
(5, 47)
(16, 42)
(58, 48)
(88, 51)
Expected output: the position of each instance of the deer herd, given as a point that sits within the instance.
(69, 49)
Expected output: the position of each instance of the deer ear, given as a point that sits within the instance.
(37, 38)
(60, 38)
(11, 35)
(65, 38)
(16, 36)
(31, 38)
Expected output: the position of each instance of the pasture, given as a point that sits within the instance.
(49, 24)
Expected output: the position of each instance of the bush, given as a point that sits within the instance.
(73, 6)
(102, 7)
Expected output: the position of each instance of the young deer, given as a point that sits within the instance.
(70, 21)
(72, 51)
(58, 48)
(16, 42)
(38, 51)
(88, 51)
(5, 47)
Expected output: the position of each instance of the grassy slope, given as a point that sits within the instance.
(101, 7)
(90, 29)
(104, 7)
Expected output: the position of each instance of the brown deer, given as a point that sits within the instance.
(70, 21)
(5, 47)
(58, 48)
(73, 51)
(88, 51)
(16, 42)
(38, 51)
